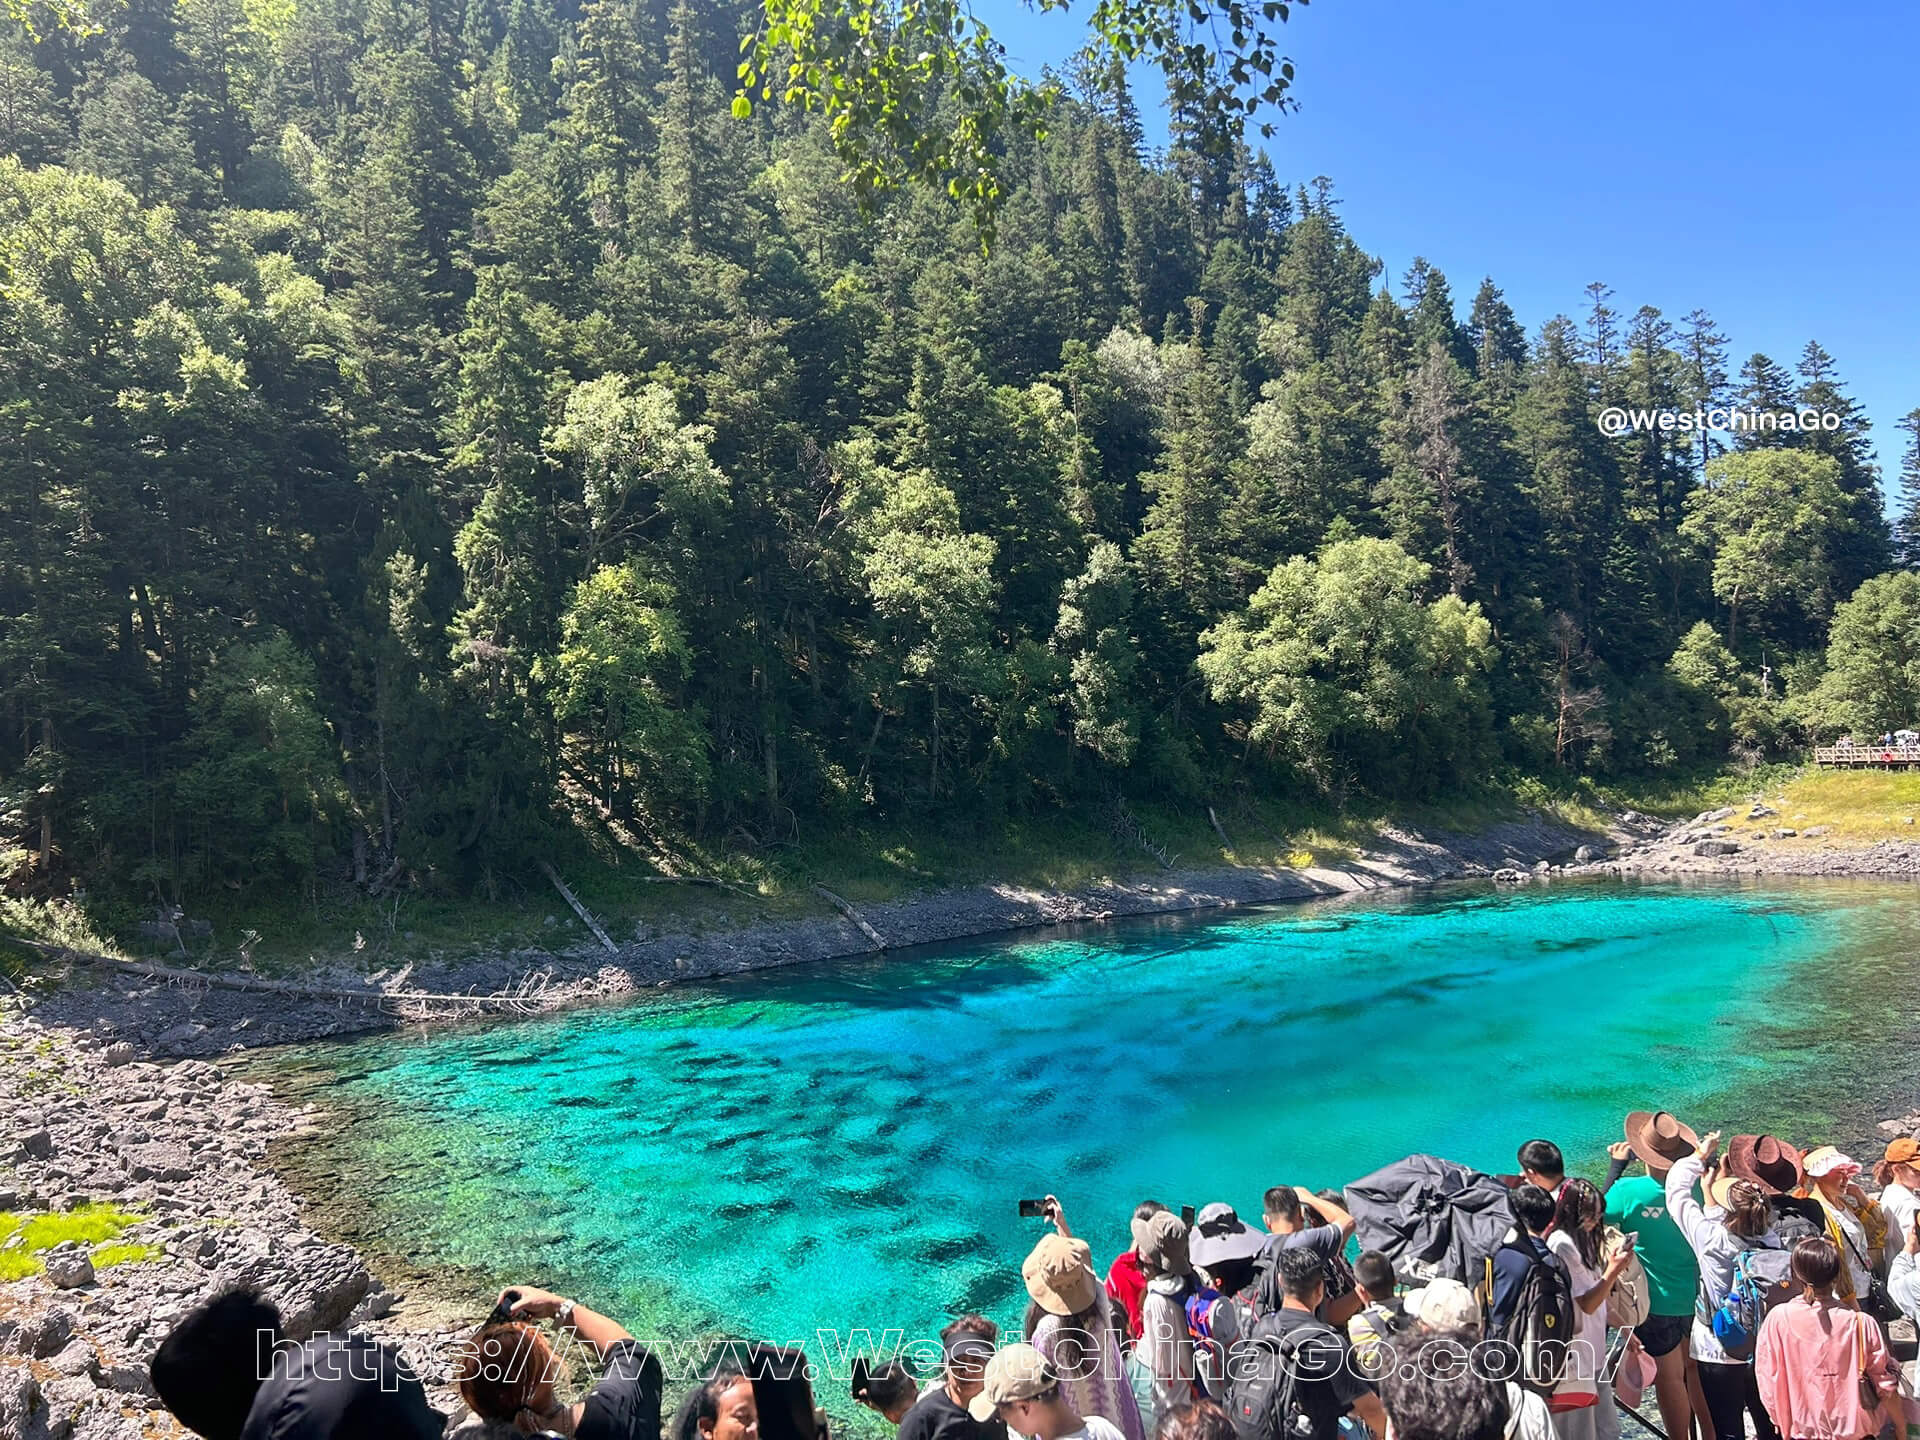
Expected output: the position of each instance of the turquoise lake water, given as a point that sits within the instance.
(843, 1145)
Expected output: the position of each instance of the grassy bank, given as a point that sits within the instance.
(621, 880)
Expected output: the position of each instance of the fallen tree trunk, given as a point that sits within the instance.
(846, 908)
(585, 914)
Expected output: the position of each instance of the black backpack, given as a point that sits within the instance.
(1266, 1393)
(1541, 1327)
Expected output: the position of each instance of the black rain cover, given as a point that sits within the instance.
(1431, 1217)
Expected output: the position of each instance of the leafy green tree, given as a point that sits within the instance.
(1096, 610)
(1770, 519)
(623, 662)
(261, 788)
(1872, 679)
(1348, 673)
(930, 588)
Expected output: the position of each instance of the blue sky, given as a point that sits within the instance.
(1757, 159)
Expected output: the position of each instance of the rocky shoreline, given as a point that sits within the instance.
(185, 1016)
(107, 1102)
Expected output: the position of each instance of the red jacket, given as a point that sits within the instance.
(1127, 1285)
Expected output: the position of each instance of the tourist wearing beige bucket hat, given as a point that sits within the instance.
(1073, 1326)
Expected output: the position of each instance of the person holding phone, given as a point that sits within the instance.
(508, 1374)
(1583, 1407)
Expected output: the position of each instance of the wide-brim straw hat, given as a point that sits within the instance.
(1659, 1138)
(1772, 1164)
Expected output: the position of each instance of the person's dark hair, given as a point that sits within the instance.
(889, 1385)
(1202, 1420)
(1281, 1203)
(1147, 1209)
(1301, 1271)
(1543, 1157)
(1230, 1277)
(1579, 1205)
(1532, 1207)
(208, 1369)
(971, 1325)
(1436, 1392)
(1816, 1262)
(1747, 1213)
(1375, 1271)
(703, 1401)
(506, 1369)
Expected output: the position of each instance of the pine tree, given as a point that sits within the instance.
(1868, 549)
(32, 118)
(1703, 351)
(1909, 522)
(1499, 343)
(1766, 390)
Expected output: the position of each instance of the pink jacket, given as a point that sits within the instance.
(1809, 1360)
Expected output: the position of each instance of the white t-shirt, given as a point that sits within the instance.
(1528, 1417)
(1092, 1427)
(1901, 1204)
(1583, 1364)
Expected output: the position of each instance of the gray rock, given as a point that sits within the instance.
(49, 1337)
(162, 1160)
(183, 1034)
(77, 1359)
(21, 1406)
(69, 1266)
(127, 1379)
(1814, 832)
(1785, 833)
(37, 1144)
(317, 1291)
(119, 1053)
(1587, 854)
(1716, 847)
(1712, 815)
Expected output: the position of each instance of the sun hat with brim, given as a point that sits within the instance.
(1769, 1162)
(1059, 1275)
(1219, 1235)
(1016, 1372)
(1443, 1304)
(1163, 1245)
(1658, 1137)
(1829, 1160)
(1904, 1151)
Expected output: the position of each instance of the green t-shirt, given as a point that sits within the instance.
(1673, 1275)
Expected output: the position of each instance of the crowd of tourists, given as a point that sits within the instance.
(1752, 1285)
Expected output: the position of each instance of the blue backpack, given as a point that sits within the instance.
(1762, 1279)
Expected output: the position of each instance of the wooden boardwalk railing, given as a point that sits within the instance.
(1867, 757)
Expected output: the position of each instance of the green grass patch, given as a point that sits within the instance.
(24, 1238)
(1858, 807)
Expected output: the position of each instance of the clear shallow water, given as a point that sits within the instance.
(843, 1145)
